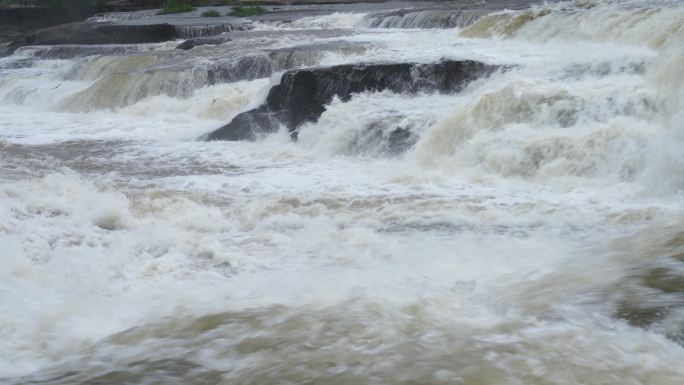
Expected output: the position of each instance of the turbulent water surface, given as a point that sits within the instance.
(532, 233)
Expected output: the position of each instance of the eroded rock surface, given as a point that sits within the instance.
(103, 33)
(302, 94)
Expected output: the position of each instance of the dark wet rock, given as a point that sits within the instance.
(665, 280)
(197, 41)
(103, 33)
(398, 140)
(642, 317)
(651, 296)
(7, 48)
(657, 303)
(247, 126)
(302, 94)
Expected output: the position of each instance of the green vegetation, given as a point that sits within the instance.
(176, 6)
(247, 11)
(224, 2)
(211, 13)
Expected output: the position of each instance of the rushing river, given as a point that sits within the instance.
(531, 234)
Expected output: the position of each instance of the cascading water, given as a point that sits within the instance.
(189, 31)
(429, 19)
(528, 229)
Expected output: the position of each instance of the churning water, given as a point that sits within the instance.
(533, 233)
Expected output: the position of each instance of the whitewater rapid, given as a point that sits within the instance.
(533, 233)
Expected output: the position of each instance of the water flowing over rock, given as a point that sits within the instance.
(125, 79)
(426, 18)
(71, 51)
(302, 95)
(8, 48)
(445, 202)
(264, 64)
(193, 31)
(197, 41)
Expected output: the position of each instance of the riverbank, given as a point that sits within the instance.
(124, 27)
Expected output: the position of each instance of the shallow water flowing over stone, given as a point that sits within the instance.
(457, 193)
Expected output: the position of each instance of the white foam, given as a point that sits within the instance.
(504, 237)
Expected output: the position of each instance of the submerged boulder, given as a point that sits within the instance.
(302, 94)
(206, 40)
(658, 299)
(103, 33)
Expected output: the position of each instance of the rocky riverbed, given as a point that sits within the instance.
(471, 192)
